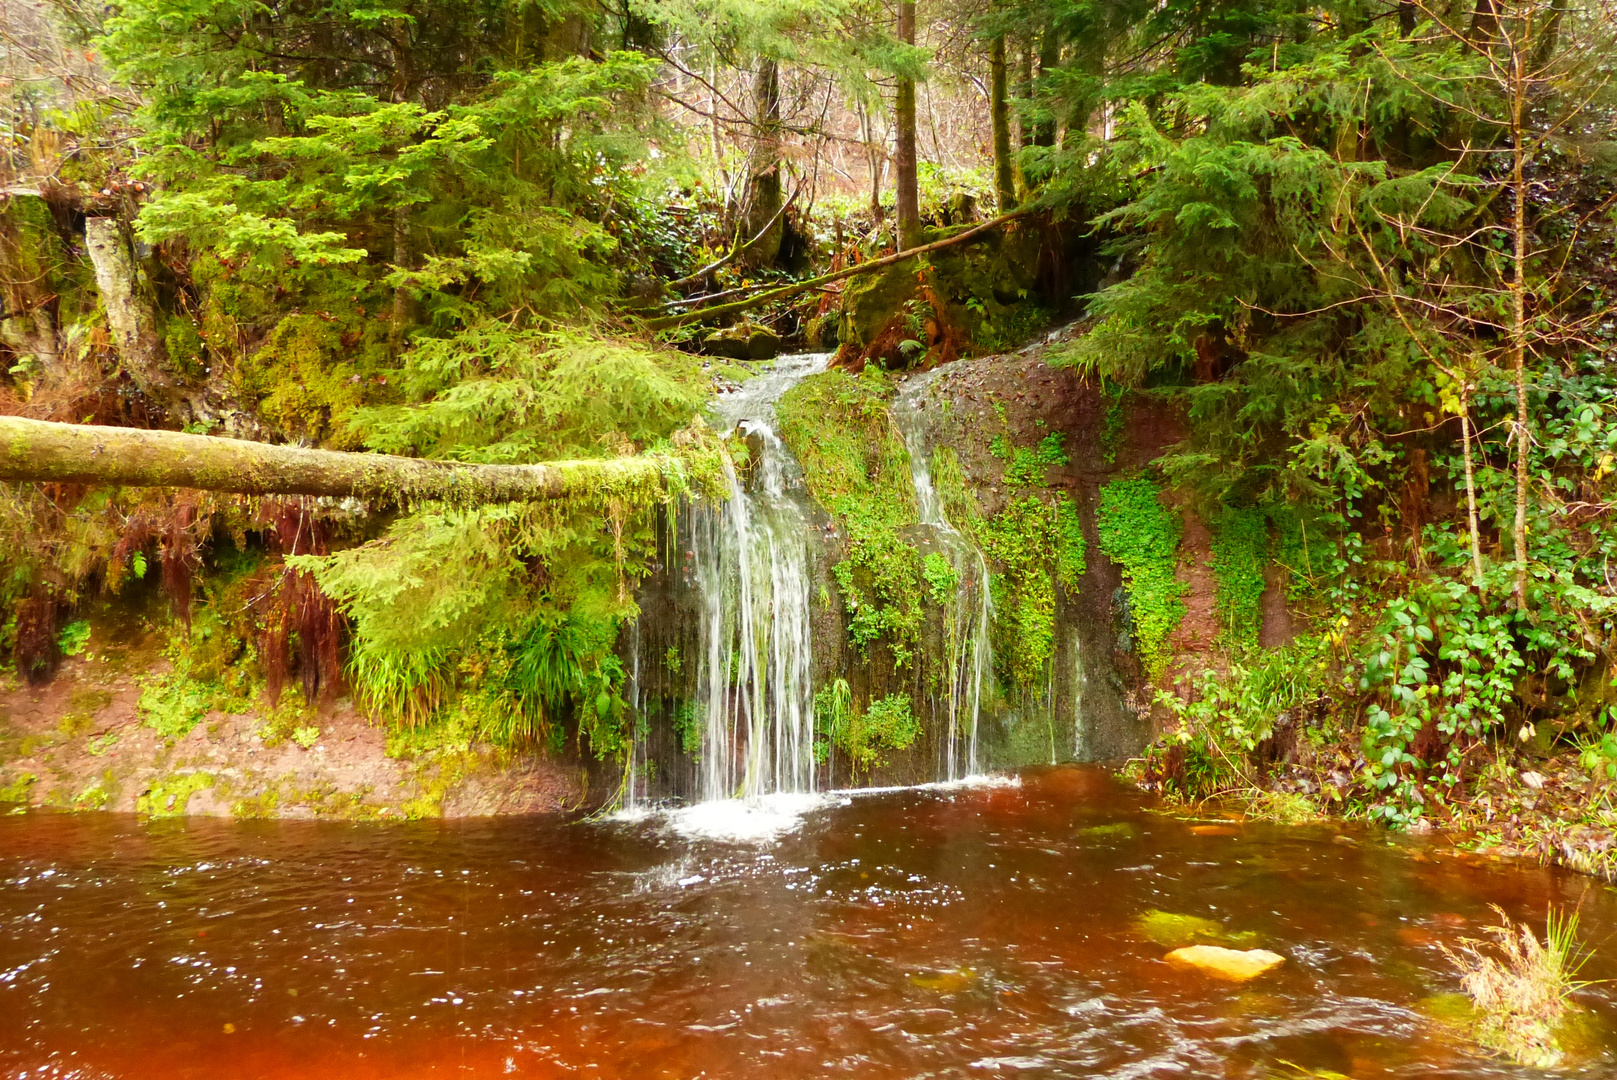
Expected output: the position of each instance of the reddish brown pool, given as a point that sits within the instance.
(967, 933)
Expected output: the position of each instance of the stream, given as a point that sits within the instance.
(978, 929)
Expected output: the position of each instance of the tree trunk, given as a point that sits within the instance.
(133, 319)
(1549, 36)
(403, 257)
(1484, 22)
(31, 257)
(764, 198)
(1518, 309)
(999, 111)
(45, 452)
(1470, 484)
(1024, 126)
(873, 157)
(1049, 60)
(907, 196)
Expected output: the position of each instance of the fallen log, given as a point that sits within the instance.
(45, 452)
(701, 314)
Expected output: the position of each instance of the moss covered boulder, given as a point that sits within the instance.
(743, 341)
(977, 297)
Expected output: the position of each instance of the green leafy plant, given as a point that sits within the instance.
(888, 724)
(75, 636)
(1240, 552)
(832, 707)
(1142, 536)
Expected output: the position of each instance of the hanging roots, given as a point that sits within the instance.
(302, 628)
(38, 624)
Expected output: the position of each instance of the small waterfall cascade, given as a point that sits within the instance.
(633, 767)
(1080, 682)
(753, 572)
(969, 614)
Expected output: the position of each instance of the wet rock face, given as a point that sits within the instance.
(1098, 706)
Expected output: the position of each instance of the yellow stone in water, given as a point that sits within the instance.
(1237, 965)
(945, 982)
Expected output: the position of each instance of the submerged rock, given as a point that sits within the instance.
(1172, 930)
(1236, 965)
(946, 982)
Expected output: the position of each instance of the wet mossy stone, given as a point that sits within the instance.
(743, 341)
(820, 332)
(1173, 931)
(870, 301)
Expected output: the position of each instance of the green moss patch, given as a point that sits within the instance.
(856, 465)
(1142, 536)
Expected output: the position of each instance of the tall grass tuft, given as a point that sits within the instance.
(1522, 987)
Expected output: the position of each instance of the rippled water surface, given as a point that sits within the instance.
(968, 932)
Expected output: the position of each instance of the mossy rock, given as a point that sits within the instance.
(986, 288)
(870, 301)
(743, 341)
(1175, 931)
(821, 331)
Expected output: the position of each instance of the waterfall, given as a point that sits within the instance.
(753, 570)
(1080, 681)
(631, 793)
(969, 614)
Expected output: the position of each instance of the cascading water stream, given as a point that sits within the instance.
(970, 612)
(1080, 682)
(631, 773)
(753, 573)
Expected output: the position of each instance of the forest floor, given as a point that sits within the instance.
(1553, 811)
(80, 742)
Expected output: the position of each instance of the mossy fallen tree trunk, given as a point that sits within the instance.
(769, 295)
(45, 452)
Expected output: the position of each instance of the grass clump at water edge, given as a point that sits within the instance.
(1522, 989)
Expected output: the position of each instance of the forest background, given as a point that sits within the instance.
(1365, 249)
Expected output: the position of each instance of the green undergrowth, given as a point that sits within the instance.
(171, 795)
(16, 793)
(1141, 535)
(1035, 543)
(864, 735)
(857, 467)
(212, 664)
(1240, 549)
(1229, 713)
(503, 620)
